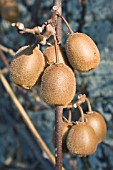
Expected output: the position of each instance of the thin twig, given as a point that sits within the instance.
(4, 59)
(81, 99)
(26, 118)
(37, 30)
(7, 50)
(5, 70)
(21, 29)
(24, 133)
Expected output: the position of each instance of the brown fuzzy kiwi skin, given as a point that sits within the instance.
(27, 66)
(65, 130)
(10, 11)
(2, 2)
(81, 139)
(82, 52)
(58, 85)
(50, 56)
(97, 122)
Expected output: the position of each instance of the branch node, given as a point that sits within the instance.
(55, 9)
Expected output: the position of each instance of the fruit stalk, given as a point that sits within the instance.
(69, 115)
(81, 112)
(66, 23)
(89, 105)
(56, 49)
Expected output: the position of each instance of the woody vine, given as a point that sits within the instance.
(55, 66)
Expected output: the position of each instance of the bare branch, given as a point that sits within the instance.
(26, 118)
(7, 50)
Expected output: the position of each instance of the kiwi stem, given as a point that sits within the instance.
(69, 115)
(68, 26)
(57, 20)
(81, 112)
(59, 109)
(65, 119)
(56, 53)
(58, 137)
(89, 105)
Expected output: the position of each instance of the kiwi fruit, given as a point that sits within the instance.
(50, 55)
(10, 11)
(66, 126)
(27, 66)
(97, 122)
(82, 52)
(1, 3)
(81, 139)
(65, 129)
(58, 84)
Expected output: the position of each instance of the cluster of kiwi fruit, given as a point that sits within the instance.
(83, 136)
(58, 82)
(9, 10)
(55, 67)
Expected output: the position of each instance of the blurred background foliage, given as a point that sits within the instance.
(18, 148)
